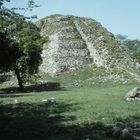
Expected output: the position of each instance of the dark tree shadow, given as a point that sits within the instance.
(33, 121)
(49, 86)
(45, 121)
(4, 78)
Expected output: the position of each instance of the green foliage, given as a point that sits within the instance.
(31, 45)
(10, 52)
(28, 40)
(122, 37)
(134, 46)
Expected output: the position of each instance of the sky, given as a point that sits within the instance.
(118, 16)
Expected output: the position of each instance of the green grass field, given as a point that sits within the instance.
(85, 113)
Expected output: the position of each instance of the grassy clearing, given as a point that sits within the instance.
(78, 114)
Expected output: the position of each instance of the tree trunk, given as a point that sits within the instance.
(20, 82)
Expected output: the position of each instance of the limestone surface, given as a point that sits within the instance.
(75, 42)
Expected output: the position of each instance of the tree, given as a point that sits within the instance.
(134, 46)
(121, 38)
(21, 44)
(31, 47)
(8, 50)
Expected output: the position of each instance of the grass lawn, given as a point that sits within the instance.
(84, 113)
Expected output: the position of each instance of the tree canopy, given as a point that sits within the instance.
(20, 44)
(133, 45)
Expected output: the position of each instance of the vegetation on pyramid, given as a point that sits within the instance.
(76, 43)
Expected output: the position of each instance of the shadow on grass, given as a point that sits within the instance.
(44, 122)
(4, 78)
(49, 86)
(32, 121)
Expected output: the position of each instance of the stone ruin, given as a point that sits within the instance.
(76, 42)
(125, 133)
(133, 94)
